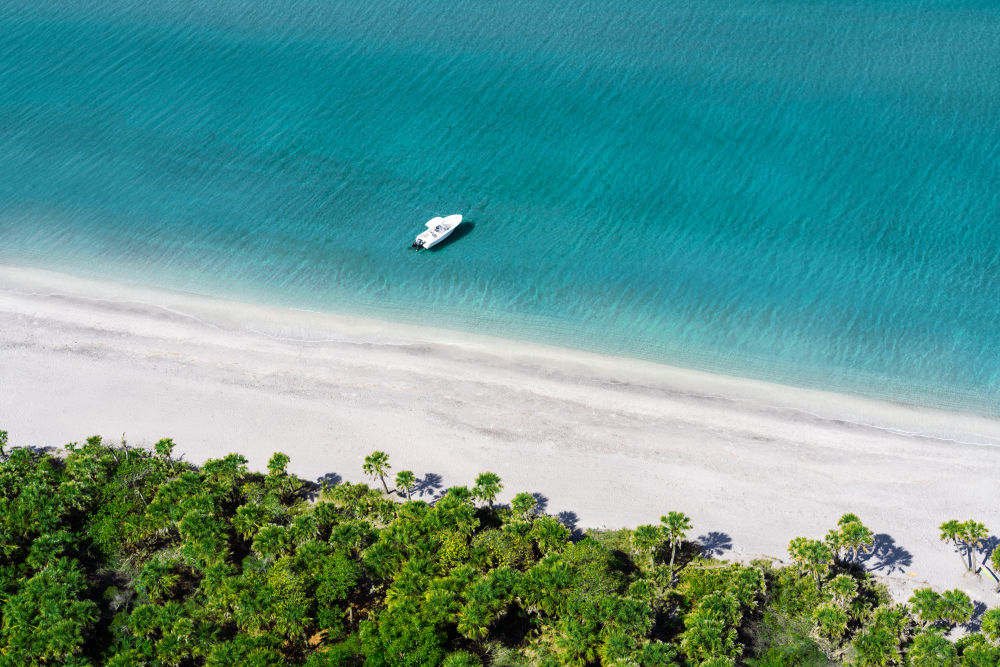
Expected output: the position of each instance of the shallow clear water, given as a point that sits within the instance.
(798, 191)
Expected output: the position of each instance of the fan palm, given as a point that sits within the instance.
(523, 506)
(950, 531)
(991, 625)
(855, 536)
(931, 649)
(972, 534)
(645, 540)
(676, 525)
(549, 534)
(831, 620)
(876, 646)
(955, 607)
(924, 604)
(843, 589)
(487, 487)
(377, 466)
(812, 556)
(406, 480)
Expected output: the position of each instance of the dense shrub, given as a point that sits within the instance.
(116, 555)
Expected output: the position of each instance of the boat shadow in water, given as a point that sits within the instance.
(461, 231)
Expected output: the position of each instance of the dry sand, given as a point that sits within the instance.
(606, 441)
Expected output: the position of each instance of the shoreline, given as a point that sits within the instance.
(608, 441)
(310, 327)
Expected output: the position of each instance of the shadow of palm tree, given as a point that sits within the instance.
(571, 521)
(541, 503)
(714, 544)
(329, 479)
(989, 546)
(311, 490)
(431, 484)
(975, 623)
(885, 556)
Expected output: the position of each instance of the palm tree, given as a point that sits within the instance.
(523, 506)
(377, 467)
(617, 648)
(461, 659)
(995, 560)
(812, 556)
(549, 534)
(892, 618)
(164, 448)
(406, 480)
(487, 487)
(3, 443)
(855, 536)
(707, 636)
(876, 646)
(931, 649)
(972, 535)
(157, 578)
(834, 540)
(950, 531)
(277, 466)
(721, 605)
(843, 589)
(577, 642)
(477, 614)
(645, 540)
(850, 517)
(249, 518)
(924, 603)
(831, 620)
(675, 525)
(456, 494)
(980, 654)
(473, 622)
(817, 558)
(991, 625)
(956, 607)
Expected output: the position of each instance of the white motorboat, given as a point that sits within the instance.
(437, 230)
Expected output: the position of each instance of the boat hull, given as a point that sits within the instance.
(438, 229)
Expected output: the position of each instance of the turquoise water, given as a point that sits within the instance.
(800, 191)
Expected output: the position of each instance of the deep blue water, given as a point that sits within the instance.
(801, 191)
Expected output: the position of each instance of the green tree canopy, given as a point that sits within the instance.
(675, 526)
(377, 466)
(931, 649)
(487, 487)
(406, 480)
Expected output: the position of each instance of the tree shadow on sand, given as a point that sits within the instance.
(989, 545)
(541, 503)
(714, 544)
(311, 490)
(430, 485)
(329, 479)
(885, 556)
(571, 521)
(976, 622)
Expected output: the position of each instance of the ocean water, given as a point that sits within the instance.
(805, 192)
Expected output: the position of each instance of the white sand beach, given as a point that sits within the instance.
(612, 442)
